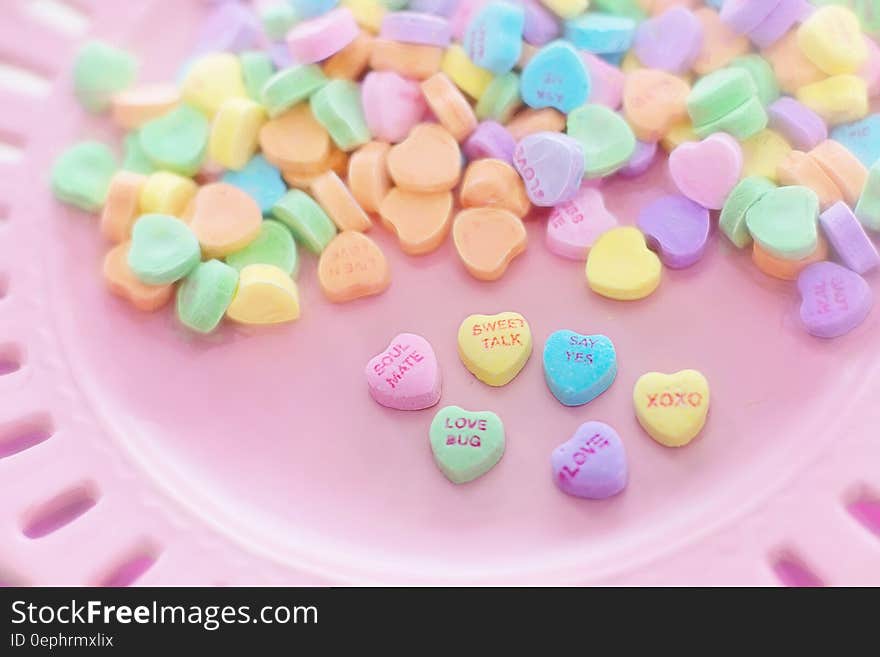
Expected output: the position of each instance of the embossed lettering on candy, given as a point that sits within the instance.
(578, 368)
(406, 375)
(494, 348)
(466, 444)
(592, 463)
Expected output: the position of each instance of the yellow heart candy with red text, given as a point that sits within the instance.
(495, 348)
(672, 408)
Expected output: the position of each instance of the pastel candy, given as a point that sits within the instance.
(834, 300)
(205, 294)
(428, 160)
(672, 408)
(566, 8)
(620, 265)
(121, 209)
(261, 180)
(467, 76)
(832, 39)
(211, 80)
(677, 228)
(720, 45)
(552, 166)
(707, 171)
(743, 16)
(601, 33)
(368, 175)
(449, 105)
(312, 8)
(846, 235)
(493, 38)
(265, 295)
(732, 221)
(530, 121)
(81, 175)
(868, 208)
(337, 106)
(290, 86)
(653, 102)
(277, 18)
(274, 245)
(861, 138)
(466, 444)
(229, 27)
(163, 249)
(784, 16)
(225, 219)
(718, 94)
(494, 348)
(406, 375)
(842, 167)
(350, 62)
(411, 60)
(296, 141)
(761, 72)
(555, 77)
(492, 183)
(352, 266)
(420, 220)
(784, 222)
(309, 224)
(669, 42)
(578, 368)
(122, 282)
(177, 141)
(319, 38)
(416, 27)
(743, 122)
(133, 107)
(99, 71)
(487, 240)
(787, 270)
(607, 81)
(334, 196)
(801, 126)
(605, 137)
(641, 160)
(800, 168)
(500, 99)
(592, 463)
(235, 133)
(838, 99)
(490, 140)
(393, 105)
(574, 226)
(167, 193)
(540, 26)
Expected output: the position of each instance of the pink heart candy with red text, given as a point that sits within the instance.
(406, 375)
(575, 225)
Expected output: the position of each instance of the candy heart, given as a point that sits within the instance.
(420, 221)
(163, 249)
(393, 105)
(495, 348)
(861, 138)
(834, 300)
(555, 77)
(578, 368)
(352, 266)
(784, 222)
(732, 221)
(592, 463)
(552, 166)
(621, 266)
(466, 444)
(708, 170)
(406, 375)
(831, 38)
(670, 42)
(677, 228)
(672, 408)
(428, 160)
(605, 137)
(853, 247)
(574, 226)
(642, 158)
(493, 39)
(653, 102)
(487, 240)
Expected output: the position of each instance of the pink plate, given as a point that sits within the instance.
(132, 451)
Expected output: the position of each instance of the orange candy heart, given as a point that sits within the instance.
(845, 169)
(368, 175)
(787, 270)
(491, 183)
(408, 59)
(429, 160)
(487, 240)
(530, 121)
(350, 62)
(295, 141)
(799, 168)
(339, 204)
(721, 45)
(420, 221)
(449, 105)
(225, 219)
(122, 207)
(653, 102)
(123, 283)
(792, 68)
(352, 266)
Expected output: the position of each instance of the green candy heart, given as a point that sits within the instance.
(176, 141)
(306, 219)
(733, 215)
(606, 138)
(291, 86)
(628, 8)
(277, 19)
(273, 246)
(784, 221)
(718, 94)
(500, 99)
(163, 249)
(743, 122)
(337, 107)
(256, 69)
(135, 159)
(205, 294)
(99, 71)
(868, 207)
(762, 75)
(81, 175)
(466, 444)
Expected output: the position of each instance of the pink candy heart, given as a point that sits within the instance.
(706, 171)
(575, 225)
(406, 375)
(393, 105)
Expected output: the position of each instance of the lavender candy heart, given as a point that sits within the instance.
(834, 300)
(416, 27)
(676, 228)
(592, 463)
(783, 17)
(642, 159)
(743, 16)
(229, 27)
(551, 165)
(541, 26)
(436, 7)
(670, 41)
(490, 139)
(845, 233)
(801, 126)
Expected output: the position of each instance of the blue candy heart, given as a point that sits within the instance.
(578, 368)
(555, 77)
(261, 180)
(493, 39)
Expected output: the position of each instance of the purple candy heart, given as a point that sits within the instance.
(779, 21)
(541, 26)
(229, 27)
(641, 160)
(416, 27)
(834, 300)
(552, 166)
(592, 463)
(670, 41)
(845, 233)
(743, 16)
(801, 126)
(436, 7)
(677, 228)
(490, 139)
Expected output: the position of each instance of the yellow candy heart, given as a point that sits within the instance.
(838, 99)
(831, 38)
(620, 265)
(466, 75)
(672, 408)
(763, 153)
(495, 348)
(211, 80)
(266, 295)
(235, 132)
